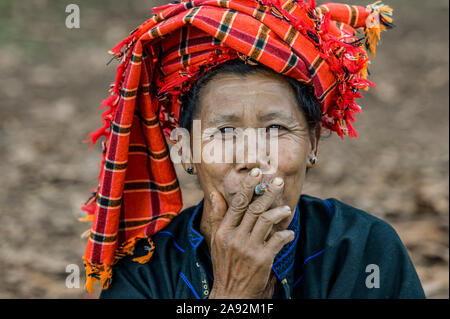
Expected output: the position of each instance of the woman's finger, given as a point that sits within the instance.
(278, 240)
(261, 204)
(241, 199)
(266, 221)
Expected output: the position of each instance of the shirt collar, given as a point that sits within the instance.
(283, 261)
(195, 238)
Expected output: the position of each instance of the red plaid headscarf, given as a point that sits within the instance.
(138, 192)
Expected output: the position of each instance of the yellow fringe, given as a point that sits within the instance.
(127, 248)
(374, 27)
(103, 273)
(364, 73)
(88, 218)
(144, 259)
(96, 273)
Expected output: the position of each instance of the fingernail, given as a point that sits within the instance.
(212, 197)
(255, 172)
(278, 181)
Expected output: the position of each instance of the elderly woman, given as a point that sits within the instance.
(283, 66)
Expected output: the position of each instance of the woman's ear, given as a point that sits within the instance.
(185, 148)
(314, 140)
(180, 149)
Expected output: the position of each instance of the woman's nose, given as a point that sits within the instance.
(261, 161)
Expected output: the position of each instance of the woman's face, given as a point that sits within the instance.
(259, 100)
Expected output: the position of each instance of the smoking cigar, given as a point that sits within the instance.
(261, 188)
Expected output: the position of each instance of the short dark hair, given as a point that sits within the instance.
(307, 102)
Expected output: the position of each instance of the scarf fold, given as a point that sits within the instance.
(138, 194)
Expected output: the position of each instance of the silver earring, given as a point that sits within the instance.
(190, 170)
(313, 160)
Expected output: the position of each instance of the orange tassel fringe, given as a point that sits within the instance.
(103, 273)
(379, 20)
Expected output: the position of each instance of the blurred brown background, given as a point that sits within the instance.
(52, 80)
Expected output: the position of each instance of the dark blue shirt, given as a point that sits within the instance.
(338, 252)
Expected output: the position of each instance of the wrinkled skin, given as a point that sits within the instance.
(244, 232)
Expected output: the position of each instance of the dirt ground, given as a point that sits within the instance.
(52, 80)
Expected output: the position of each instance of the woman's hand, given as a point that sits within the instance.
(242, 258)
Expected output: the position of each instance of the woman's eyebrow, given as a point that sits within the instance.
(224, 118)
(276, 115)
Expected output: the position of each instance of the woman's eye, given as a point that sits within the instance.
(224, 130)
(279, 127)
